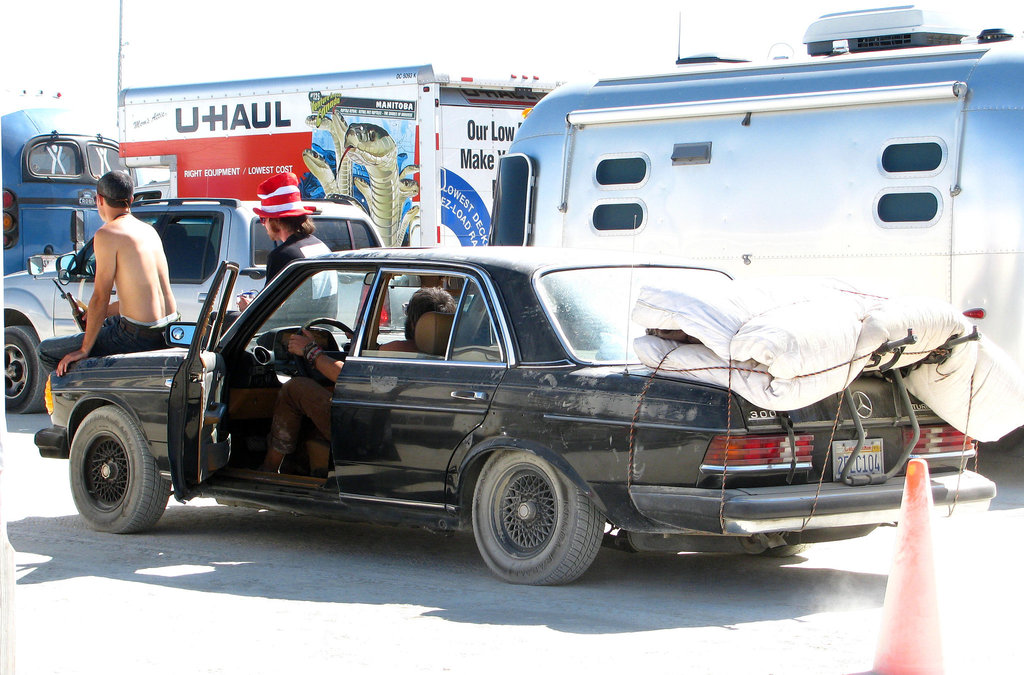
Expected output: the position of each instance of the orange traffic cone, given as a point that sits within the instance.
(909, 642)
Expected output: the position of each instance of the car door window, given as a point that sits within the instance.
(474, 337)
(464, 332)
(328, 294)
(392, 333)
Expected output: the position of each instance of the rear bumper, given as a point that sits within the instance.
(52, 442)
(801, 507)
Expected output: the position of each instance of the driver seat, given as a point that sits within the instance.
(432, 331)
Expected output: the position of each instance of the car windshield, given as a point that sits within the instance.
(591, 307)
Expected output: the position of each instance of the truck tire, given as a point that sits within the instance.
(532, 525)
(23, 377)
(115, 481)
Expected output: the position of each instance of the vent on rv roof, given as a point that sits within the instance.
(994, 35)
(880, 29)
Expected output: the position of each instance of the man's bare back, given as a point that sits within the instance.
(130, 257)
(139, 268)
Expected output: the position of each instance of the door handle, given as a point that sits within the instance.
(470, 395)
(201, 297)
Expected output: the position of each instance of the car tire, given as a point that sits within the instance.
(115, 481)
(24, 380)
(531, 524)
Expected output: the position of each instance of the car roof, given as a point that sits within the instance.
(524, 259)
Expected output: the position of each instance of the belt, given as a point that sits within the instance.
(136, 330)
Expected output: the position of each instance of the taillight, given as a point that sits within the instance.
(10, 219)
(757, 452)
(940, 439)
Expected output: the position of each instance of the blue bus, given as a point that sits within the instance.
(50, 169)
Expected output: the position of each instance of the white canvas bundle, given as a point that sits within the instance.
(986, 408)
(792, 342)
(748, 379)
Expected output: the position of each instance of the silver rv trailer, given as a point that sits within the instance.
(904, 166)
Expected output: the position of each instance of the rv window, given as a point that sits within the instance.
(907, 207)
(628, 216)
(55, 159)
(621, 171)
(911, 157)
(509, 225)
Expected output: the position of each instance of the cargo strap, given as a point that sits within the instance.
(894, 349)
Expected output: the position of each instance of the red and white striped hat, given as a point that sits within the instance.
(280, 198)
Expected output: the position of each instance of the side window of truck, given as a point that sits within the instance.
(334, 233)
(192, 245)
(344, 234)
(339, 234)
(361, 234)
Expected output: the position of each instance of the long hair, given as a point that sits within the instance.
(297, 224)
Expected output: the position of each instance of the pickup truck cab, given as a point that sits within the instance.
(197, 234)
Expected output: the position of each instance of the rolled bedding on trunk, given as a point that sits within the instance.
(785, 343)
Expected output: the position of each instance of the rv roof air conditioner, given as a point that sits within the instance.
(880, 29)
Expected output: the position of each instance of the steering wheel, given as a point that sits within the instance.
(302, 364)
(328, 321)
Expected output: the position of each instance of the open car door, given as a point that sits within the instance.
(195, 410)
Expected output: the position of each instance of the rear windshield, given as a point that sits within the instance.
(591, 307)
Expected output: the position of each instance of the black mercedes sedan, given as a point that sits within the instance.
(522, 415)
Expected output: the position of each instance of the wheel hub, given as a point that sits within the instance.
(527, 510)
(14, 370)
(108, 471)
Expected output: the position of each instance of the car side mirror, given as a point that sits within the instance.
(65, 265)
(179, 334)
(39, 264)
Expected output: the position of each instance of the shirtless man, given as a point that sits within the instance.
(130, 257)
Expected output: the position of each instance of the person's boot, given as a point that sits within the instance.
(272, 462)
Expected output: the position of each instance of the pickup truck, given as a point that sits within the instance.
(197, 234)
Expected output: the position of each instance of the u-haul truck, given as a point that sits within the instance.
(417, 149)
(893, 154)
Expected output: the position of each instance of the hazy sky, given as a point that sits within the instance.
(70, 46)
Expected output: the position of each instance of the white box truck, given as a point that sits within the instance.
(417, 149)
(892, 152)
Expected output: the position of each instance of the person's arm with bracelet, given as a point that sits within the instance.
(304, 346)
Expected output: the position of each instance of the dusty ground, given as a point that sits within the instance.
(215, 589)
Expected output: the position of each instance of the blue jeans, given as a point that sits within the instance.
(114, 338)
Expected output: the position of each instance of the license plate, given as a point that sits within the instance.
(868, 462)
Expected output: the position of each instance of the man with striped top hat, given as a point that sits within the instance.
(287, 221)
